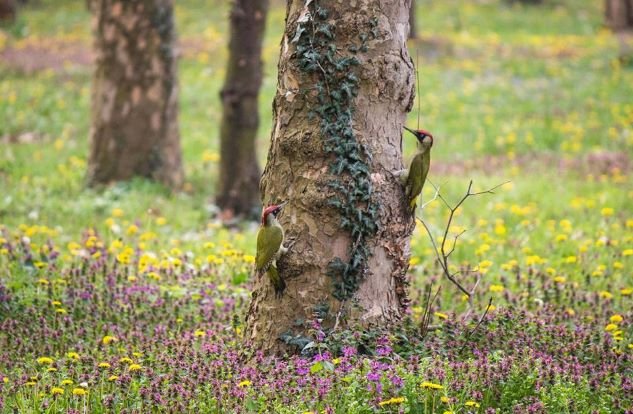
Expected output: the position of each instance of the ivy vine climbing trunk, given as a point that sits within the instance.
(134, 93)
(345, 84)
(239, 171)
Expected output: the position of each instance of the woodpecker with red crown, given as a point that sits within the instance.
(270, 246)
(414, 177)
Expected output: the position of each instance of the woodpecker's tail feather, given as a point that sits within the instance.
(276, 280)
(413, 204)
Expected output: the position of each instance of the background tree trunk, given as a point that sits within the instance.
(7, 10)
(413, 28)
(619, 14)
(239, 171)
(315, 165)
(134, 93)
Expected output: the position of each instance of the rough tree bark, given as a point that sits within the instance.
(413, 28)
(239, 171)
(304, 168)
(134, 93)
(619, 14)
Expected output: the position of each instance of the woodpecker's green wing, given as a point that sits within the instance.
(269, 239)
(418, 171)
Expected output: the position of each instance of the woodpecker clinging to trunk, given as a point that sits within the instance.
(270, 246)
(414, 177)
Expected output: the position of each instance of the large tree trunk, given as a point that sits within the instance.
(413, 28)
(239, 172)
(7, 10)
(619, 14)
(345, 83)
(135, 93)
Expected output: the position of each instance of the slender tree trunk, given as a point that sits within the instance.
(345, 83)
(413, 28)
(135, 93)
(239, 171)
(619, 14)
(7, 10)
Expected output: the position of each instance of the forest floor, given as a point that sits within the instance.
(130, 299)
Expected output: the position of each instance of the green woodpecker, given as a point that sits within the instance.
(414, 177)
(270, 246)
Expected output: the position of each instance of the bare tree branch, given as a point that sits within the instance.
(478, 323)
(426, 317)
(441, 253)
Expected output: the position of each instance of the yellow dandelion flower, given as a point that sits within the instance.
(445, 399)
(626, 291)
(117, 212)
(5, 380)
(471, 404)
(126, 360)
(67, 382)
(135, 367)
(611, 327)
(199, 333)
(30, 383)
(440, 315)
(570, 259)
(607, 212)
(391, 401)
(79, 391)
(559, 279)
(616, 318)
(244, 383)
(105, 365)
(431, 386)
(108, 339)
(161, 221)
(606, 295)
(45, 360)
(57, 391)
(627, 252)
(113, 378)
(154, 276)
(73, 355)
(61, 311)
(561, 238)
(496, 288)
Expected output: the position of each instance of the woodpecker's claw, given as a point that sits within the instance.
(290, 244)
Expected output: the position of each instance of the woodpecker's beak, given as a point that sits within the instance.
(410, 130)
(282, 205)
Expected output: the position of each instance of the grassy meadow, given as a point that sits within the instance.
(130, 299)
